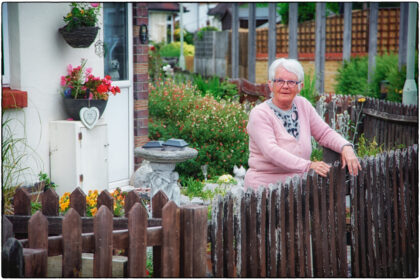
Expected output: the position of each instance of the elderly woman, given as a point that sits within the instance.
(280, 131)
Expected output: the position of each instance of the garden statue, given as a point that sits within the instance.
(239, 174)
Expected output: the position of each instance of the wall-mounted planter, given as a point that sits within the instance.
(81, 37)
(13, 99)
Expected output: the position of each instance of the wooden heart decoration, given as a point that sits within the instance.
(89, 116)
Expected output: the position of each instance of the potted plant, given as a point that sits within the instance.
(81, 30)
(81, 89)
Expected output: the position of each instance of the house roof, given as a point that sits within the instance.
(169, 7)
(220, 9)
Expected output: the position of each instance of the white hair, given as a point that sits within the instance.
(291, 65)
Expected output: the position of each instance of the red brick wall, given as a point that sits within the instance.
(140, 79)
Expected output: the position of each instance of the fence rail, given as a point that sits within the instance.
(298, 228)
(178, 236)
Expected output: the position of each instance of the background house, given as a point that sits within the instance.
(35, 56)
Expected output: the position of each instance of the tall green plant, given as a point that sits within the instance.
(309, 91)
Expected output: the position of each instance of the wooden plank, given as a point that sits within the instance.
(35, 262)
(341, 236)
(282, 255)
(171, 240)
(354, 216)
(217, 237)
(105, 198)
(229, 254)
(261, 232)
(22, 202)
(38, 231)
(306, 185)
(300, 219)
(72, 244)
(137, 232)
(102, 228)
(194, 241)
(375, 217)
(403, 215)
(272, 245)
(242, 271)
(291, 242)
(49, 200)
(369, 222)
(324, 226)
(362, 220)
(12, 259)
(409, 200)
(396, 230)
(381, 187)
(78, 201)
(251, 229)
(158, 201)
(7, 229)
(316, 228)
(130, 199)
(331, 224)
(387, 189)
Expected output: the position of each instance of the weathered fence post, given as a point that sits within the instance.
(105, 198)
(78, 201)
(194, 241)
(36, 257)
(158, 201)
(131, 199)
(7, 229)
(102, 228)
(217, 237)
(22, 202)
(49, 200)
(72, 244)
(228, 234)
(170, 240)
(12, 259)
(261, 232)
(137, 234)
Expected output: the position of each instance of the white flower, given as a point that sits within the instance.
(226, 178)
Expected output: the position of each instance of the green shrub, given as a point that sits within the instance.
(174, 50)
(214, 87)
(155, 62)
(368, 148)
(352, 77)
(206, 28)
(309, 90)
(216, 129)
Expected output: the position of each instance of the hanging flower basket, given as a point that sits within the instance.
(81, 37)
(73, 106)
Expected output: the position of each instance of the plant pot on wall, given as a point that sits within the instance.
(73, 106)
(81, 37)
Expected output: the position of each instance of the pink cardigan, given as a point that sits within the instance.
(274, 153)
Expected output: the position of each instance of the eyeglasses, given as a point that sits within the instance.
(281, 82)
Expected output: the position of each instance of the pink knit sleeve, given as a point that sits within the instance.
(260, 130)
(323, 133)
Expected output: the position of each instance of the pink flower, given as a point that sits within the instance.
(90, 95)
(94, 5)
(69, 69)
(63, 81)
(88, 70)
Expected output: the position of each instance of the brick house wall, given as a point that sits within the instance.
(140, 79)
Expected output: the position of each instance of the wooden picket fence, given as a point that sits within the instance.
(178, 236)
(391, 124)
(298, 228)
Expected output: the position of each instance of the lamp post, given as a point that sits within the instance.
(181, 30)
(410, 88)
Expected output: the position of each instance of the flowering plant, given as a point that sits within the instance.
(82, 84)
(82, 14)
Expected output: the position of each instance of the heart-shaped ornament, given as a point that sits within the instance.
(89, 116)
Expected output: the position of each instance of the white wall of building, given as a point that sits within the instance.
(190, 18)
(38, 58)
(157, 26)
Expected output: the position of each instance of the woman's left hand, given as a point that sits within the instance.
(349, 158)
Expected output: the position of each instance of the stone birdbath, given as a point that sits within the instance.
(163, 157)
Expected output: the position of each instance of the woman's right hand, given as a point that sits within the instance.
(320, 167)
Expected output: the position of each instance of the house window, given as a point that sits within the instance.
(5, 64)
(116, 40)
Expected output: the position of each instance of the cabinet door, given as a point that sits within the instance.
(94, 158)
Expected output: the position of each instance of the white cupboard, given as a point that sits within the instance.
(78, 156)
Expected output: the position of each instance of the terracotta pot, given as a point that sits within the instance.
(73, 106)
